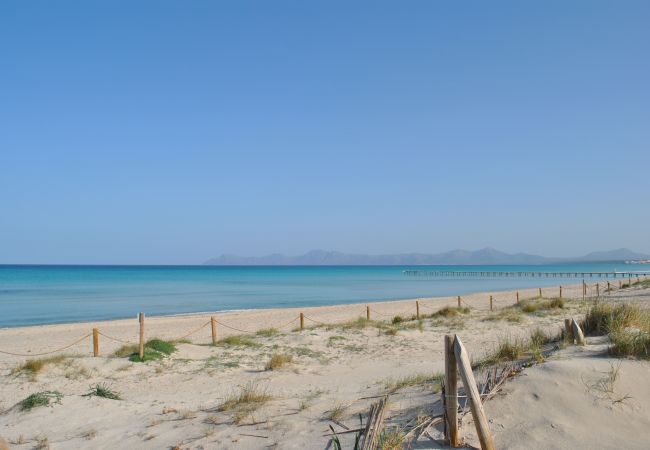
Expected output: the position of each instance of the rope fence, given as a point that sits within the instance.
(589, 291)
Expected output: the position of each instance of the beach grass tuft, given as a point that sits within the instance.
(628, 327)
(245, 402)
(33, 366)
(278, 360)
(337, 412)
(43, 398)
(238, 340)
(267, 332)
(103, 390)
(433, 381)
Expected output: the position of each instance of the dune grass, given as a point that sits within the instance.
(245, 402)
(433, 381)
(103, 390)
(627, 326)
(238, 340)
(267, 332)
(32, 367)
(530, 306)
(43, 398)
(516, 348)
(337, 412)
(154, 349)
(278, 360)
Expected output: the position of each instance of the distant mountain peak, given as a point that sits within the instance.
(487, 255)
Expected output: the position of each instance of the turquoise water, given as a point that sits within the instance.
(57, 294)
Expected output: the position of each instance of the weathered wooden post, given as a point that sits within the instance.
(577, 333)
(302, 321)
(459, 302)
(560, 291)
(451, 392)
(213, 323)
(517, 297)
(540, 292)
(597, 290)
(609, 288)
(584, 289)
(141, 349)
(417, 309)
(568, 331)
(620, 284)
(490, 303)
(95, 342)
(367, 312)
(476, 405)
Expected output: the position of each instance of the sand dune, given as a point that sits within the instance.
(335, 374)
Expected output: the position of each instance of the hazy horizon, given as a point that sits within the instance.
(172, 134)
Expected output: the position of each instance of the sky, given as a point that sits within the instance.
(166, 132)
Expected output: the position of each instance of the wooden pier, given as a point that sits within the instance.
(525, 274)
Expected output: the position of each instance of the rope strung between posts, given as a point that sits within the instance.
(50, 352)
(193, 331)
(288, 323)
(234, 329)
(115, 339)
(314, 320)
(381, 314)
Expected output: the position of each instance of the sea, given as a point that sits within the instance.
(45, 294)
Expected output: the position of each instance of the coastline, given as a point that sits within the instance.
(43, 338)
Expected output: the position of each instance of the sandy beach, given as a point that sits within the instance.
(336, 368)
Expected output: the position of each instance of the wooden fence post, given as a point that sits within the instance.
(302, 321)
(584, 289)
(560, 291)
(597, 290)
(568, 331)
(609, 288)
(367, 312)
(95, 342)
(540, 292)
(213, 323)
(517, 297)
(451, 392)
(490, 303)
(577, 333)
(141, 349)
(620, 284)
(476, 405)
(417, 309)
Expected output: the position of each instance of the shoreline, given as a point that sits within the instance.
(43, 338)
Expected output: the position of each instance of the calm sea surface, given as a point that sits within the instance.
(56, 294)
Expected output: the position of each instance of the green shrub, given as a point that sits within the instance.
(42, 398)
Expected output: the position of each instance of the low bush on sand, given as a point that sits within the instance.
(43, 398)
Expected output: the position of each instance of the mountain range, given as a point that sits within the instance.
(460, 257)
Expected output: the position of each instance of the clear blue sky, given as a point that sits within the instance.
(170, 132)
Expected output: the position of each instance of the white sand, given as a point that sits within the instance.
(174, 401)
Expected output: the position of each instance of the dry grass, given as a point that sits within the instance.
(238, 341)
(391, 439)
(33, 366)
(513, 315)
(449, 311)
(628, 327)
(429, 380)
(267, 332)
(534, 305)
(245, 402)
(278, 360)
(337, 412)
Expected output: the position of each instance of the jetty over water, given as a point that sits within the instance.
(524, 274)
